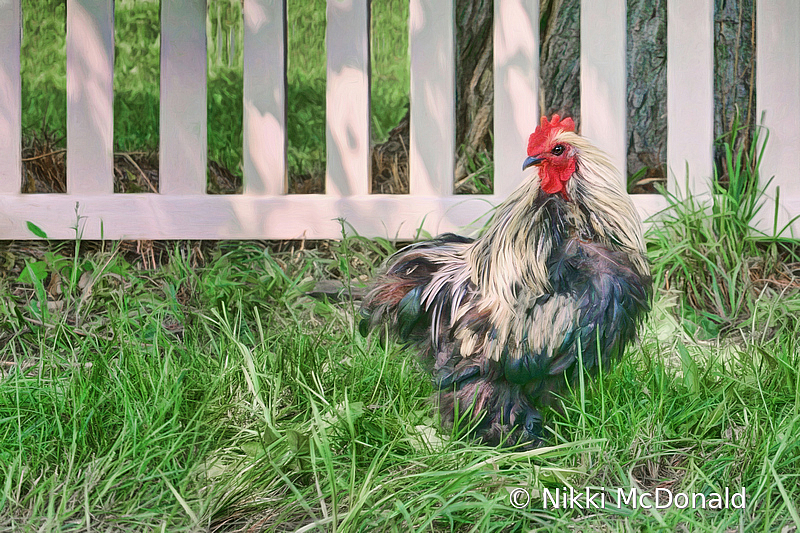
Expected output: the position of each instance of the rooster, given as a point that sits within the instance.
(503, 321)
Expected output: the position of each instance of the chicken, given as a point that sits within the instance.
(559, 277)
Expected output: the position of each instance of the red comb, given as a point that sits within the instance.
(544, 130)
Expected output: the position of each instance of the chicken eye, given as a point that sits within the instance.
(557, 149)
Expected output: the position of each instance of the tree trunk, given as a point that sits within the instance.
(647, 94)
(734, 74)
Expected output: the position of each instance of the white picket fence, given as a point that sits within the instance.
(182, 209)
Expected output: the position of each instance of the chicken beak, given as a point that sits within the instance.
(532, 160)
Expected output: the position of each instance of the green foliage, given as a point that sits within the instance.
(136, 75)
(36, 230)
(635, 178)
(43, 63)
(306, 78)
(705, 248)
(390, 65)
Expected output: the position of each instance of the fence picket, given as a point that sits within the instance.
(90, 96)
(182, 138)
(778, 95)
(10, 98)
(347, 109)
(234, 216)
(182, 209)
(516, 88)
(690, 95)
(604, 78)
(432, 136)
(264, 79)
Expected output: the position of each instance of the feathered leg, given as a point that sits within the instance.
(492, 410)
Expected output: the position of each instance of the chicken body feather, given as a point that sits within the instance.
(503, 321)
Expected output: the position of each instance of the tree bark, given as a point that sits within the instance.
(734, 74)
(560, 58)
(647, 94)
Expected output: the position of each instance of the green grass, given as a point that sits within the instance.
(43, 64)
(218, 396)
(136, 76)
(706, 247)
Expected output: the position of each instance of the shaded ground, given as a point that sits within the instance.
(44, 170)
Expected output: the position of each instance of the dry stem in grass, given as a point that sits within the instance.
(390, 161)
(44, 168)
(307, 184)
(135, 172)
(44, 164)
(781, 276)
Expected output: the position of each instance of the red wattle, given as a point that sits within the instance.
(554, 177)
(551, 186)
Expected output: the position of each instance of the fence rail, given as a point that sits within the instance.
(182, 209)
